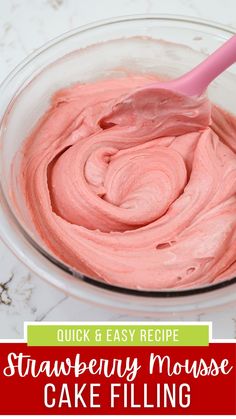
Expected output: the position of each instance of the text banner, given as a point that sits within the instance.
(118, 335)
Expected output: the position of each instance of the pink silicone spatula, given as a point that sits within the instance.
(192, 84)
(195, 82)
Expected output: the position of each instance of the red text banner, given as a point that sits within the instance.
(118, 380)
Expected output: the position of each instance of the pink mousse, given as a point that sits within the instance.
(144, 199)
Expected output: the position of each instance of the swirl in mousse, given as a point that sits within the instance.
(143, 199)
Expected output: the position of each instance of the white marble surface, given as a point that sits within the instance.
(24, 26)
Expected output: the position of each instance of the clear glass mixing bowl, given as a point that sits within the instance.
(138, 43)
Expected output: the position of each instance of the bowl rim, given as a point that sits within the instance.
(116, 19)
(118, 290)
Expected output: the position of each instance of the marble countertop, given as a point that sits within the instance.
(24, 26)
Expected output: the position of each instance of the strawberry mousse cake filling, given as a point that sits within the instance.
(143, 196)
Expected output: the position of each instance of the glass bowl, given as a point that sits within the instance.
(104, 49)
